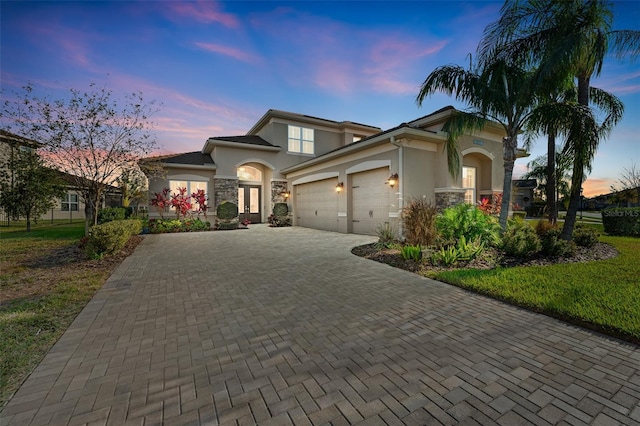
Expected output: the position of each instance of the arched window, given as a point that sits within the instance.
(249, 173)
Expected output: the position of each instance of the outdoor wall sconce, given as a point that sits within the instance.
(393, 180)
(286, 194)
(339, 187)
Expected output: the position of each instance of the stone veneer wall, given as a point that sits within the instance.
(278, 187)
(225, 190)
(447, 199)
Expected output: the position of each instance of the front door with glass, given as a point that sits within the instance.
(249, 203)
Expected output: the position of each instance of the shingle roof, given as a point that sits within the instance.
(525, 183)
(247, 139)
(195, 158)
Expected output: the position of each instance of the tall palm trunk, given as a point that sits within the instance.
(552, 204)
(510, 150)
(578, 166)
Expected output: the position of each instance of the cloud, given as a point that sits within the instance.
(596, 186)
(620, 84)
(232, 52)
(343, 58)
(205, 12)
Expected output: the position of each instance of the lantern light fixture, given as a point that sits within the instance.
(339, 187)
(393, 180)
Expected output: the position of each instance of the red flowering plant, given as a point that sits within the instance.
(161, 201)
(181, 202)
(491, 205)
(201, 199)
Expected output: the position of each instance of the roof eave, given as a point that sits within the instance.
(213, 142)
(375, 140)
(189, 166)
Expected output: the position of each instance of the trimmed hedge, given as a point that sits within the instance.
(621, 221)
(111, 237)
(109, 214)
(227, 210)
(161, 226)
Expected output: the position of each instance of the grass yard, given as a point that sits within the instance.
(45, 281)
(602, 295)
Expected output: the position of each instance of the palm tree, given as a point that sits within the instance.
(560, 39)
(498, 92)
(561, 178)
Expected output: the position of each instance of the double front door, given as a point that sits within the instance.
(249, 203)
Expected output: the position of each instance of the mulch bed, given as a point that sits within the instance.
(491, 258)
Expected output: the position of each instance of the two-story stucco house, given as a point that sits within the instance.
(337, 176)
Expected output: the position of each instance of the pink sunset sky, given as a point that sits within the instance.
(217, 67)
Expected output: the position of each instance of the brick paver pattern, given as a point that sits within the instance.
(278, 326)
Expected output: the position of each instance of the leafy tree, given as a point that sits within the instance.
(28, 189)
(88, 134)
(627, 186)
(495, 91)
(565, 39)
(132, 183)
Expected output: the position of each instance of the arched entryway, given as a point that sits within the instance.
(476, 175)
(250, 193)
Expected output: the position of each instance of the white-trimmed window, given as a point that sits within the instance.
(69, 203)
(301, 140)
(469, 184)
(249, 173)
(191, 185)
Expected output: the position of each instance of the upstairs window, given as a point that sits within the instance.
(301, 140)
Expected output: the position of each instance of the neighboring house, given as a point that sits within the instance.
(71, 206)
(337, 176)
(522, 192)
(625, 198)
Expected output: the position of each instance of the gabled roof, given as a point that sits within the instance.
(13, 139)
(247, 139)
(195, 158)
(275, 113)
(524, 183)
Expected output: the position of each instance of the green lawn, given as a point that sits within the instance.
(603, 295)
(44, 284)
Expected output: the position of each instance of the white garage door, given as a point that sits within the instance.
(369, 201)
(317, 205)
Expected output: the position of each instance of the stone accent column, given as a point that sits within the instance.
(278, 188)
(446, 199)
(224, 190)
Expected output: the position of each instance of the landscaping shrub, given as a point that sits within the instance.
(411, 252)
(520, 239)
(554, 246)
(419, 222)
(227, 216)
(111, 237)
(621, 221)
(386, 235)
(280, 216)
(469, 250)
(585, 236)
(544, 226)
(446, 256)
(109, 214)
(280, 209)
(462, 250)
(227, 210)
(161, 226)
(468, 221)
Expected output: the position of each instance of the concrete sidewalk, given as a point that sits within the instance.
(276, 326)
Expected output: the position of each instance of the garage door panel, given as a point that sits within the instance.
(317, 205)
(369, 201)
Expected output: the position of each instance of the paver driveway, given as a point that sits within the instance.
(281, 326)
